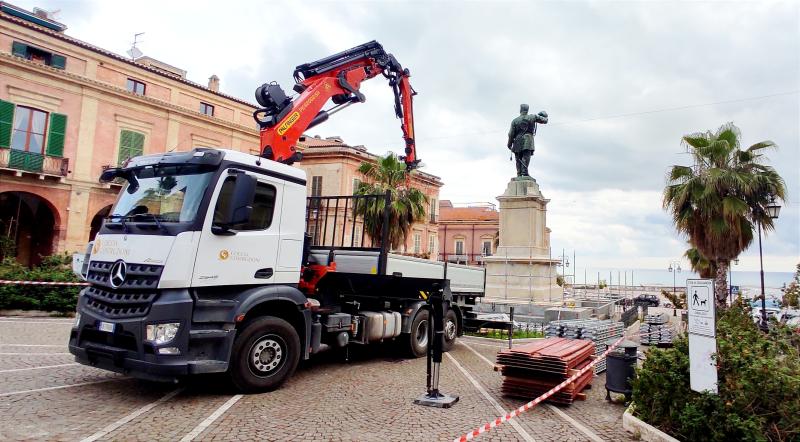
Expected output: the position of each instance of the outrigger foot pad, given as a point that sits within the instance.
(436, 399)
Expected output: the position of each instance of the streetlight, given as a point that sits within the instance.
(773, 209)
(730, 280)
(674, 267)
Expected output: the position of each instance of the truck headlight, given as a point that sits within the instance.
(162, 333)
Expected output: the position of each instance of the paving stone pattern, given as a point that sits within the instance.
(368, 397)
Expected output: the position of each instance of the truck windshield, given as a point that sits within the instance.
(165, 194)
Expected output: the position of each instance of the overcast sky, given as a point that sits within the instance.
(621, 81)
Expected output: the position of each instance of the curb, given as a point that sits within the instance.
(643, 430)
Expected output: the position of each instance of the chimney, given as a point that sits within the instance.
(213, 83)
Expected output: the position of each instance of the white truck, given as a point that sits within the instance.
(214, 260)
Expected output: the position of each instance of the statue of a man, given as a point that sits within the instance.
(520, 137)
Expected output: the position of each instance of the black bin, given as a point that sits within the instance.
(620, 369)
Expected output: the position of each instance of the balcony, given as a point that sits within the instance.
(22, 161)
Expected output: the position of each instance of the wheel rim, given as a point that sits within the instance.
(450, 330)
(422, 333)
(267, 355)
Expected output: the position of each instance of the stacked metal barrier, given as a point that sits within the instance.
(532, 369)
(596, 330)
(656, 330)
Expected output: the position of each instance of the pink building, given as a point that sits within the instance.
(467, 232)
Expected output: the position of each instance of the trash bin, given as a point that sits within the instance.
(621, 364)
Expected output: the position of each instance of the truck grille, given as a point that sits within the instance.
(131, 299)
(139, 276)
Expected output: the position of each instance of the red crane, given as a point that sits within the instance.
(338, 78)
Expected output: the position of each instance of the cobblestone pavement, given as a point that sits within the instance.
(368, 397)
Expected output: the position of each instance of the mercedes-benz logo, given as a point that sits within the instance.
(117, 275)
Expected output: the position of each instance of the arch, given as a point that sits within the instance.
(32, 223)
(97, 221)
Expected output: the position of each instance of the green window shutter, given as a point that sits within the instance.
(19, 49)
(58, 61)
(137, 145)
(56, 135)
(131, 144)
(6, 122)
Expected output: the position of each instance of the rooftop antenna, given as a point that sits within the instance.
(134, 52)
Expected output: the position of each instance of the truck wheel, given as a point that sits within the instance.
(450, 330)
(264, 355)
(418, 338)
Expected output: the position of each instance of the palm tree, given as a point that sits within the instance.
(700, 264)
(407, 206)
(717, 202)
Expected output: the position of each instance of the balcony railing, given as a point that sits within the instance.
(33, 162)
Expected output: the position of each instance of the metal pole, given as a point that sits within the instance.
(674, 273)
(550, 275)
(730, 284)
(763, 296)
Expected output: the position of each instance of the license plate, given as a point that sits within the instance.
(106, 326)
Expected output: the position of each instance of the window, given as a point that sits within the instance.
(459, 247)
(486, 249)
(29, 129)
(356, 185)
(23, 130)
(357, 237)
(417, 243)
(206, 108)
(131, 144)
(136, 86)
(316, 185)
(38, 55)
(433, 210)
(431, 243)
(263, 205)
(169, 193)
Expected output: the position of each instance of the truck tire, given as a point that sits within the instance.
(265, 354)
(417, 345)
(450, 330)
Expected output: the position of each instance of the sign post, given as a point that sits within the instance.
(702, 334)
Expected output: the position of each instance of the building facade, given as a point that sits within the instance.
(69, 109)
(467, 232)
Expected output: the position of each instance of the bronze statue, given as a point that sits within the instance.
(520, 138)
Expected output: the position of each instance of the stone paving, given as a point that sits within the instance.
(368, 397)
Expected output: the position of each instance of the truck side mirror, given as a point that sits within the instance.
(235, 202)
(112, 173)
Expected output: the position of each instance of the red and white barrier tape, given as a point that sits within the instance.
(488, 426)
(5, 281)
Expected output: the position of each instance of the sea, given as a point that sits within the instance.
(773, 281)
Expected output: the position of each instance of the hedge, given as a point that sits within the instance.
(758, 383)
(48, 298)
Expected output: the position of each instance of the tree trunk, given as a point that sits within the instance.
(721, 283)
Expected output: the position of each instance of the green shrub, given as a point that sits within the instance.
(758, 383)
(28, 297)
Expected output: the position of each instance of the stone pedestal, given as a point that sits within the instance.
(521, 269)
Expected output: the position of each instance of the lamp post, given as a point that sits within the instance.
(772, 211)
(564, 265)
(674, 268)
(730, 281)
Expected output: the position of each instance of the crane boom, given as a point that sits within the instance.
(338, 78)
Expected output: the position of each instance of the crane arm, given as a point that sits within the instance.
(338, 78)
